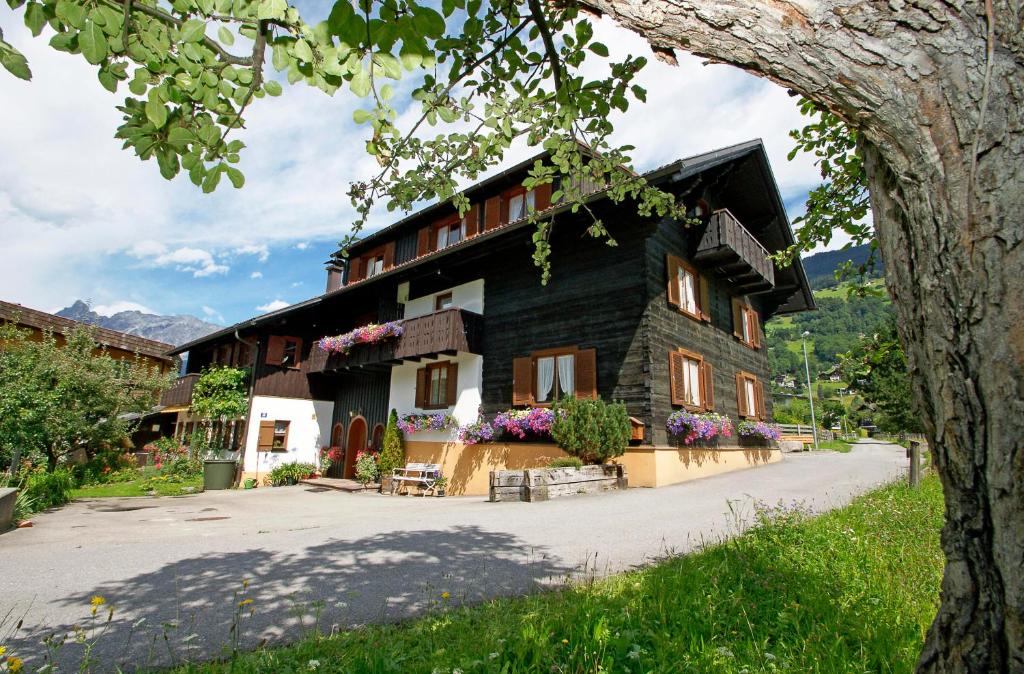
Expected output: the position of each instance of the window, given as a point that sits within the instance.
(442, 301)
(437, 385)
(374, 265)
(749, 396)
(691, 381)
(520, 203)
(284, 351)
(449, 234)
(544, 376)
(746, 324)
(273, 436)
(687, 290)
(290, 356)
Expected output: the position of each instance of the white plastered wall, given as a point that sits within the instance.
(308, 430)
(468, 296)
(467, 400)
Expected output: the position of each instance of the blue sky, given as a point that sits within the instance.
(82, 219)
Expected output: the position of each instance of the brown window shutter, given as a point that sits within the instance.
(423, 242)
(355, 270)
(676, 381)
(503, 211)
(453, 383)
(759, 394)
(542, 197)
(421, 387)
(755, 322)
(389, 255)
(265, 440)
(275, 350)
(708, 380)
(737, 318)
(492, 213)
(585, 373)
(672, 269)
(705, 299)
(741, 398)
(472, 221)
(298, 352)
(522, 381)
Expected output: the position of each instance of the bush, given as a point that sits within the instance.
(392, 454)
(106, 467)
(592, 430)
(566, 462)
(367, 468)
(184, 467)
(48, 490)
(290, 473)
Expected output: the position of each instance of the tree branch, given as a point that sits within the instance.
(549, 44)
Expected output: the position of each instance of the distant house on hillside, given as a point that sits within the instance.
(669, 319)
(118, 345)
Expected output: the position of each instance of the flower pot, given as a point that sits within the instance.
(218, 473)
(250, 483)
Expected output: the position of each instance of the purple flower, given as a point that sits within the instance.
(758, 429)
(476, 432)
(535, 421)
(691, 427)
(367, 334)
(415, 423)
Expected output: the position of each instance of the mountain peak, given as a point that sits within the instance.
(169, 329)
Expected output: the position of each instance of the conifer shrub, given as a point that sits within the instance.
(392, 453)
(592, 430)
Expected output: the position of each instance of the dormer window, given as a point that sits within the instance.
(374, 265)
(520, 203)
(450, 233)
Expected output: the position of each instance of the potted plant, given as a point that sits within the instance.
(757, 433)
(367, 469)
(701, 429)
(392, 453)
(440, 484)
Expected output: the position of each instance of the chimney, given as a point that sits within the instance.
(335, 276)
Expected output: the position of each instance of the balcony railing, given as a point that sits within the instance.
(180, 392)
(730, 251)
(442, 332)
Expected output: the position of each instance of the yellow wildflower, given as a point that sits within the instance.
(245, 583)
(3, 649)
(14, 664)
(565, 642)
(445, 595)
(97, 600)
(245, 602)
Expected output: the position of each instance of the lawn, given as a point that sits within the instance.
(851, 591)
(835, 446)
(149, 482)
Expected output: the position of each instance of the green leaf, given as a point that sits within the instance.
(302, 51)
(226, 36)
(180, 137)
(35, 18)
(389, 64)
(93, 43)
(14, 62)
(209, 134)
(272, 9)
(360, 83)
(427, 21)
(193, 30)
(361, 116)
(236, 177)
(71, 13)
(156, 113)
(272, 87)
(599, 49)
(211, 180)
(108, 80)
(168, 162)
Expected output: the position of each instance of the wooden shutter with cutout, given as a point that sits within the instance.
(356, 267)
(759, 394)
(492, 213)
(472, 221)
(737, 318)
(452, 394)
(585, 373)
(389, 255)
(421, 388)
(741, 396)
(676, 377)
(542, 197)
(275, 350)
(522, 381)
(265, 440)
(423, 242)
(755, 329)
(672, 267)
(708, 385)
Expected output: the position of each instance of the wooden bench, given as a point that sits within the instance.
(422, 475)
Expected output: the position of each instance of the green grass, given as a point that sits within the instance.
(851, 591)
(142, 487)
(835, 446)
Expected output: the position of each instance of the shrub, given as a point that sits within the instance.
(288, 473)
(48, 490)
(566, 462)
(184, 467)
(592, 430)
(165, 450)
(392, 453)
(367, 469)
(106, 467)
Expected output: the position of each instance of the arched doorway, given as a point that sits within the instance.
(356, 442)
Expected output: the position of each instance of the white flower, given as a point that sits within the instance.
(312, 665)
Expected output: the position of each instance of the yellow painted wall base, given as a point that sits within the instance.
(468, 467)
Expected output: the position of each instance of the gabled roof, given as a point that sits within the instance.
(674, 171)
(33, 318)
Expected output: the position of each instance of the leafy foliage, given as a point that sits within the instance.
(877, 369)
(290, 473)
(591, 430)
(220, 393)
(55, 398)
(566, 462)
(367, 467)
(392, 453)
(48, 489)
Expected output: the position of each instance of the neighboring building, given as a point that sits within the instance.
(669, 318)
(118, 345)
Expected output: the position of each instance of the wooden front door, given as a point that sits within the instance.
(356, 442)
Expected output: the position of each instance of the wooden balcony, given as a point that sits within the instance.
(443, 332)
(180, 392)
(729, 251)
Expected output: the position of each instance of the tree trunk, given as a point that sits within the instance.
(936, 92)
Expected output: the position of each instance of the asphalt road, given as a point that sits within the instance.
(173, 568)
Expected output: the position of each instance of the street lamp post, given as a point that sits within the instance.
(810, 397)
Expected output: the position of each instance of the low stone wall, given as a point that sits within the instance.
(7, 498)
(542, 484)
(662, 466)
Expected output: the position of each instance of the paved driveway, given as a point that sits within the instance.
(177, 564)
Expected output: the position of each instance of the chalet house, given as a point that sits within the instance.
(669, 318)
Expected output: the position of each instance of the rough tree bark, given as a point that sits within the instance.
(936, 90)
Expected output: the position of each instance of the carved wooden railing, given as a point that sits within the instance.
(725, 240)
(180, 392)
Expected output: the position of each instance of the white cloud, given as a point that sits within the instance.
(212, 313)
(118, 307)
(302, 245)
(260, 251)
(272, 306)
(296, 284)
(195, 260)
(256, 274)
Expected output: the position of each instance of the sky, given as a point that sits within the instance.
(80, 218)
